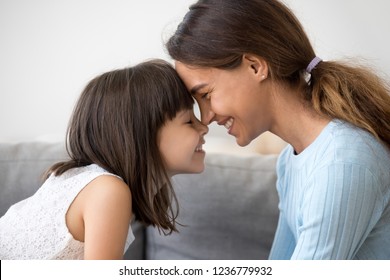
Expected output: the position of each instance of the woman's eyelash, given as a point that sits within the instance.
(205, 95)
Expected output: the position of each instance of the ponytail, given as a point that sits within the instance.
(353, 94)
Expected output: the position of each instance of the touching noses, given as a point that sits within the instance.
(202, 128)
(207, 115)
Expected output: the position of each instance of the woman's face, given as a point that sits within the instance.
(180, 143)
(238, 99)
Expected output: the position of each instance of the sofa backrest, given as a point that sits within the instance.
(230, 211)
(22, 166)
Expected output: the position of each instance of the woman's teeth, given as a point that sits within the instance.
(229, 123)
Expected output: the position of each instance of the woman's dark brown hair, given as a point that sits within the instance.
(216, 33)
(115, 125)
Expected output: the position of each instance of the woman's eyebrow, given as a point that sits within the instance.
(196, 88)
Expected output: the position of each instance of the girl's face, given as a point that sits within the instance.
(180, 143)
(237, 99)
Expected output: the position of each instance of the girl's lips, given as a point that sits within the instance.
(199, 148)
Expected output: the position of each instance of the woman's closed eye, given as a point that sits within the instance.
(205, 95)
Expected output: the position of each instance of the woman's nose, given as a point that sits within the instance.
(207, 115)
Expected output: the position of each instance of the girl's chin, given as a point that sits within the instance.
(191, 171)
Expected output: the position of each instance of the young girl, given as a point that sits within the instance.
(251, 68)
(131, 130)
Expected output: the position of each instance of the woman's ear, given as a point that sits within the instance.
(258, 65)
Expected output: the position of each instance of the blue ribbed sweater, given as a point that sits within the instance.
(334, 198)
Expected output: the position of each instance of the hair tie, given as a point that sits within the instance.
(313, 64)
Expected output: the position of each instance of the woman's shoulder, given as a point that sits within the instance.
(353, 146)
(348, 140)
(340, 143)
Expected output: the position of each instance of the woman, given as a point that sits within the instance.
(251, 67)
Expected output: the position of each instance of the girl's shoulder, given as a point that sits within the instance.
(109, 185)
(99, 191)
(101, 184)
(79, 176)
(86, 171)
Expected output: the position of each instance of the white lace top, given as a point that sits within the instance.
(35, 228)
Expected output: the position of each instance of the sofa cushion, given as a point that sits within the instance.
(229, 211)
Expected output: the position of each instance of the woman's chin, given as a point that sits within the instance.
(243, 142)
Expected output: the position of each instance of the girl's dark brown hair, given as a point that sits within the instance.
(216, 33)
(115, 125)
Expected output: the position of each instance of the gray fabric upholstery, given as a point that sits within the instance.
(229, 211)
(22, 166)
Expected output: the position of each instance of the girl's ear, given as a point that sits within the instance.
(258, 65)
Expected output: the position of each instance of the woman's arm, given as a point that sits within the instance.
(338, 210)
(284, 244)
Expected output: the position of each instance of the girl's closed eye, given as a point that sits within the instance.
(187, 118)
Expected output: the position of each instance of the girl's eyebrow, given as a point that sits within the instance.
(196, 88)
(183, 113)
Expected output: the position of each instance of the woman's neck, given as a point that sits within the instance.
(296, 122)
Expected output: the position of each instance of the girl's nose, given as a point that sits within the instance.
(204, 129)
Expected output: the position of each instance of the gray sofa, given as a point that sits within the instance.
(227, 212)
